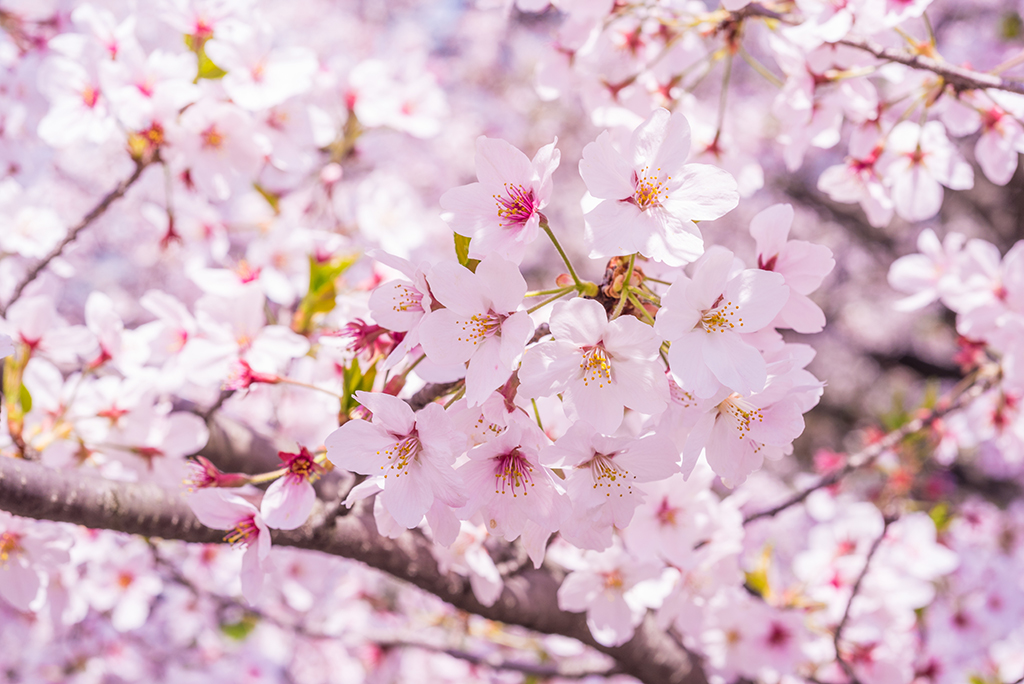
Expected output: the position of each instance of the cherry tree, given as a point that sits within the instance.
(654, 341)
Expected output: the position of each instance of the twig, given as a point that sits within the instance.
(958, 77)
(86, 221)
(968, 390)
(847, 668)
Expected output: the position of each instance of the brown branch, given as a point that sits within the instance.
(968, 390)
(529, 599)
(532, 669)
(847, 668)
(958, 77)
(84, 223)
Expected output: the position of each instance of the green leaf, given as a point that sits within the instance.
(941, 516)
(1011, 27)
(462, 252)
(757, 579)
(272, 199)
(322, 294)
(241, 629)
(25, 399)
(207, 69)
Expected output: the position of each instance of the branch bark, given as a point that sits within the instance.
(529, 599)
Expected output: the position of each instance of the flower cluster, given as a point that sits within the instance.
(471, 296)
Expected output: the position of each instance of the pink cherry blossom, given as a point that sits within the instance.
(650, 196)
(410, 454)
(706, 318)
(603, 475)
(611, 589)
(598, 366)
(509, 488)
(501, 212)
(223, 510)
(482, 322)
(917, 162)
(803, 265)
(289, 500)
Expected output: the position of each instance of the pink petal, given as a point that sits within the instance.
(736, 364)
(287, 504)
(606, 173)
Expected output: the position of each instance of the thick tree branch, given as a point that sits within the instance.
(529, 599)
(97, 211)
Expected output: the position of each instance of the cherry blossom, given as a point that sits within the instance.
(707, 317)
(917, 162)
(411, 454)
(598, 366)
(651, 197)
(501, 212)
(223, 510)
(481, 323)
(289, 500)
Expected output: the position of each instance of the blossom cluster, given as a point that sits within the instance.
(288, 277)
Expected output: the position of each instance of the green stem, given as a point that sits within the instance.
(564, 291)
(541, 293)
(760, 68)
(928, 27)
(536, 414)
(456, 396)
(298, 383)
(625, 285)
(413, 365)
(561, 252)
(639, 306)
(268, 477)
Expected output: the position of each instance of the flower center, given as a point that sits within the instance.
(212, 138)
(242, 533)
(10, 544)
(301, 466)
(513, 471)
(742, 414)
(649, 190)
(608, 475)
(516, 206)
(613, 580)
(596, 366)
(723, 316)
(479, 327)
(407, 299)
(400, 455)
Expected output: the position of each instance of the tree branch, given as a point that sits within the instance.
(972, 387)
(529, 599)
(847, 668)
(958, 77)
(97, 211)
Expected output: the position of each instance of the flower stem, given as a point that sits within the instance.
(639, 306)
(561, 252)
(561, 293)
(456, 396)
(268, 477)
(541, 293)
(299, 383)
